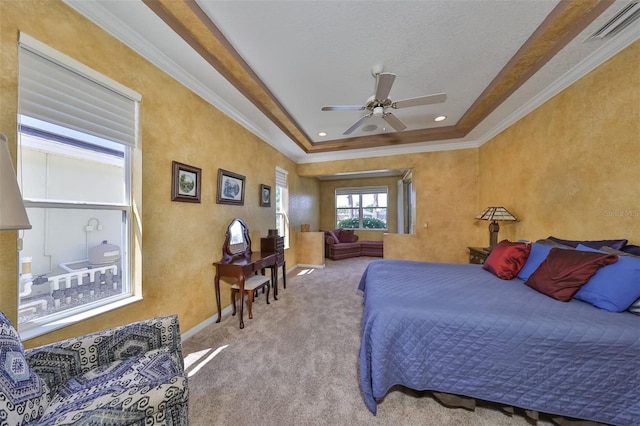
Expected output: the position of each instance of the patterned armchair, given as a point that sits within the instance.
(128, 375)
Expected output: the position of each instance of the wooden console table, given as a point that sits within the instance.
(242, 266)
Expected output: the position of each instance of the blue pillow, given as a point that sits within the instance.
(614, 287)
(537, 255)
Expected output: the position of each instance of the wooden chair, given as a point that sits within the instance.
(251, 286)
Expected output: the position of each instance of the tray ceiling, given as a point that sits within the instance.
(272, 65)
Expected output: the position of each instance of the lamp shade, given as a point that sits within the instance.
(12, 212)
(495, 213)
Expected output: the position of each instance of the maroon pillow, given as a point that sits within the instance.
(346, 235)
(563, 272)
(333, 234)
(507, 258)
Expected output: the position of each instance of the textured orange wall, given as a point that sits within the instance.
(304, 208)
(571, 168)
(180, 240)
(446, 185)
(328, 203)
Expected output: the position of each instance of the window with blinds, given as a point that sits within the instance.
(77, 129)
(362, 207)
(282, 205)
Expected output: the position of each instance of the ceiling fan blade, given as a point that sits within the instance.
(343, 108)
(421, 100)
(384, 81)
(356, 124)
(394, 122)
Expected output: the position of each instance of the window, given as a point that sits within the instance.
(282, 205)
(361, 208)
(77, 131)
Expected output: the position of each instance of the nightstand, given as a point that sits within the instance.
(478, 255)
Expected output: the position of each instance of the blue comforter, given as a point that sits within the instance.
(457, 328)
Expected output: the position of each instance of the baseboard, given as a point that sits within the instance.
(209, 321)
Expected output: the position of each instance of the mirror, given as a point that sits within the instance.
(237, 241)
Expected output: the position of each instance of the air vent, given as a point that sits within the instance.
(623, 19)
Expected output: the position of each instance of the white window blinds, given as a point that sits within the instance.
(57, 89)
(362, 190)
(281, 177)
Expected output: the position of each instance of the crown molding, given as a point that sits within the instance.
(102, 17)
(413, 148)
(611, 48)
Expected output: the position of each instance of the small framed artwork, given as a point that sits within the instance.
(185, 183)
(265, 196)
(230, 188)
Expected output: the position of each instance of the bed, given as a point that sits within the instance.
(458, 329)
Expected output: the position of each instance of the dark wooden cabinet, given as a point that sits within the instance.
(478, 255)
(276, 245)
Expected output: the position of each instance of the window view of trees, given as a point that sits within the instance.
(281, 223)
(361, 208)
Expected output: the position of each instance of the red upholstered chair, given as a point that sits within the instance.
(341, 244)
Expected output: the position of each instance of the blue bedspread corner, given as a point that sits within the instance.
(363, 279)
(365, 385)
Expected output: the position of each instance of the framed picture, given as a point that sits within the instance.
(185, 183)
(265, 196)
(230, 188)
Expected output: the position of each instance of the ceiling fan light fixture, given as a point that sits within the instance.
(440, 118)
(377, 105)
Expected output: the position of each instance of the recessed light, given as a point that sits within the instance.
(323, 134)
(440, 118)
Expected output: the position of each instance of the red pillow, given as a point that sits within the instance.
(563, 272)
(346, 236)
(507, 258)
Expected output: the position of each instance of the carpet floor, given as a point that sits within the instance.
(296, 363)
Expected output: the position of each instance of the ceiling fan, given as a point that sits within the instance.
(378, 103)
